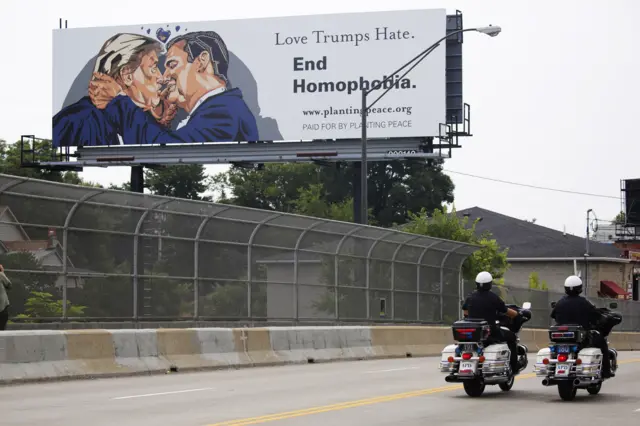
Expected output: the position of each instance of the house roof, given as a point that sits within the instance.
(5, 209)
(528, 240)
(40, 249)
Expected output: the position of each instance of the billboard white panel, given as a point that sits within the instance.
(291, 78)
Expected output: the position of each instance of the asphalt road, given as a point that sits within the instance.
(406, 392)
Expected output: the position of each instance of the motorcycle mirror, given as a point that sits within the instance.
(526, 305)
(613, 305)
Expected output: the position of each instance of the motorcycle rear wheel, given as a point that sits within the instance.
(594, 390)
(566, 391)
(506, 387)
(474, 388)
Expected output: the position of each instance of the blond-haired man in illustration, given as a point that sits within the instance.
(132, 61)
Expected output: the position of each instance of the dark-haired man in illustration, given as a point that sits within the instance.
(131, 61)
(196, 67)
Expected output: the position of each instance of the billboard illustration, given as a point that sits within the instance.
(268, 79)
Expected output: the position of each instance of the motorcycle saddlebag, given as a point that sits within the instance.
(471, 331)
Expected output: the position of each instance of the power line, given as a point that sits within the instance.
(533, 186)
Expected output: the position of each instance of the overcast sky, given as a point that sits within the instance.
(553, 98)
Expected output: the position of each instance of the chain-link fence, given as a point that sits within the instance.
(89, 254)
(541, 305)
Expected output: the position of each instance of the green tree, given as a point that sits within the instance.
(88, 250)
(182, 181)
(43, 305)
(229, 300)
(312, 201)
(535, 284)
(31, 277)
(273, 188)
(450, 226)
(620, 218)
(126, 186)
(394, 188)
(10, 164)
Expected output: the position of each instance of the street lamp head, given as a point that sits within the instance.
(490, 30)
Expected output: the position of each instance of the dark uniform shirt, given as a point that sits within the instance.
(574, 310)
(485, 305)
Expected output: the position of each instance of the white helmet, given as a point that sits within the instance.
(484, 280)
(573, 285)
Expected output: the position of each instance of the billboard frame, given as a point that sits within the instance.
(629, 231)
(458, 122)
(324, 152)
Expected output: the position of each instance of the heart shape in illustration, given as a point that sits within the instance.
(163, 35)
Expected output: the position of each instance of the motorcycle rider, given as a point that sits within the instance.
(576, 310)
(486, 305)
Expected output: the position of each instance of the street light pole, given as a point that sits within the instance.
(363, 214)
(586, 258)
(587, 241)
(364, 199)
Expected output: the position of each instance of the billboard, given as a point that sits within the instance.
(268, 79)
(632, 201)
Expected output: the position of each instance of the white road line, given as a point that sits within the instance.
(638, 410)
(393, 369)
(162, 393)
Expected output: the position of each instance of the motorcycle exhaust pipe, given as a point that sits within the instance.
(545, 382)
(576, 382)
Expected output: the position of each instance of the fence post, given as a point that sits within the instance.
(65, 246)
(368, 271)
(136, 252)
(250, 260)
(295, 268)
(196, 262)
(393, 274)
(336, 277)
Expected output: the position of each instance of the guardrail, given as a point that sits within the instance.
(75, 354)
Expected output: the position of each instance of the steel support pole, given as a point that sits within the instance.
(364, 208)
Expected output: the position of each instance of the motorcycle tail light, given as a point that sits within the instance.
(466, 356)
(562, 358)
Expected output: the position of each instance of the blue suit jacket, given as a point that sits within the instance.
(220, 118)
(82, 124)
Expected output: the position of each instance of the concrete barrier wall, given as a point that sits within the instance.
(74, 354)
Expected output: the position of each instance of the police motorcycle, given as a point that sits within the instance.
(571, 362)
(476, 360)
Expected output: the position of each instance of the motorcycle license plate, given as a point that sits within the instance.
(562, 370)
(467, 368)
